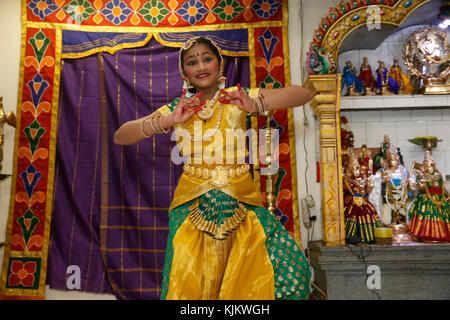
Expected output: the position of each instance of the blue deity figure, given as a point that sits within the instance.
(385, 81)
(350, 79)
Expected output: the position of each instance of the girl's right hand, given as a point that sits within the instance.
(186, 108)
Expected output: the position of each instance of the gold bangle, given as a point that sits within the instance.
(253, 112)
(260, 107)
(162, 130)
(154, 124)
(141, 127)
(263, 105)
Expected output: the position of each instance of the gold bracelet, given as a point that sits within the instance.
(154, 125)
(151, 123)
(263, 105)
(260, 106)
(141, 127)
(160, 127)
(253, 112)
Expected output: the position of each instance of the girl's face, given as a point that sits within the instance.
(201, 66)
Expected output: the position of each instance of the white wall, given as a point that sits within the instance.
(369, 127)
(306, 136)
(313, 10)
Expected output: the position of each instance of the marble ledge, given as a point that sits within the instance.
(394, 102)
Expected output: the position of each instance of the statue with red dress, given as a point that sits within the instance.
(367, 78)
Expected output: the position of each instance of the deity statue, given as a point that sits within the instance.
(402, 80)
(396, 188)
(360, 216)
(385, 84)
(367, 170)
(365, 161)
(367, 78)
(349, 79)
(382, 155)
(430, 213)
(427, 55)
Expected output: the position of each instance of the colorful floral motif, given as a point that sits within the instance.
(116, 11)
(154, 12)
(23, 273)
(42, 8)
(37, 87)
(227, 10)
(268, 43)
(266, 8)
(192, 11)
(30, 195)
(79, 10)
(28, 223)
(159, 13)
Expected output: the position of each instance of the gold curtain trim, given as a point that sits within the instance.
(111, 50)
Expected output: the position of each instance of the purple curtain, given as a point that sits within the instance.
(110, 210)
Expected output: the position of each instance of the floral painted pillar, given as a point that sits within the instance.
(326, 106)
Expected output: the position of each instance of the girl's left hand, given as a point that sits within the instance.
(240, 98)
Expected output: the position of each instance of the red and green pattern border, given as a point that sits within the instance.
(28, 229)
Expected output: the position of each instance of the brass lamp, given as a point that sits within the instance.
(271, 205)
(428, 143)
(10, 119)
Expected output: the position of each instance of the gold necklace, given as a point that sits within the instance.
(207, 111)
(213, 131)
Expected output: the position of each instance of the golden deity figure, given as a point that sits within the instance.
(365, 161)
(402, 80)
(360, 215)
(430, 213)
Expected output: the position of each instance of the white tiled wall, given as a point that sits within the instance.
(369, 127)
(391, 48)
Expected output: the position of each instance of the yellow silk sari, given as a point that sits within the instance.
(222, 243)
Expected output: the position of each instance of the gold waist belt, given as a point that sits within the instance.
(218, 176)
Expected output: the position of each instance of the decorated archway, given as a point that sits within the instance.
(348, 15)
(334, 27)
